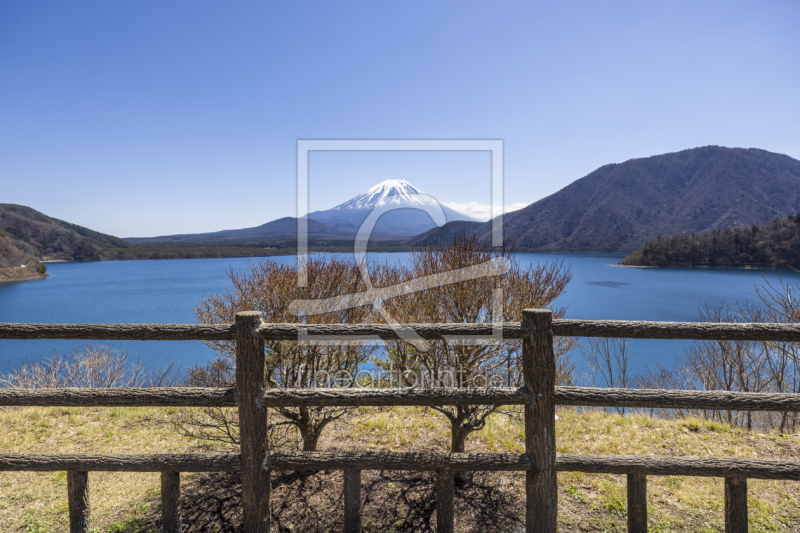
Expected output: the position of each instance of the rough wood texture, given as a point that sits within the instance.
(397, 461)
(291, 332)
(392, 397)
(631, 329)
(352, 501)
(78, 501)
(677, 399)
(539, 372)
(678, 466)
(250, 382)
(170, 502)
(59, 462)
(445, 499)
(736, 505)
(226, 397)
(511, 330)
(155, 397)
(637, 503)
(508, 462)
(590, 464)
(123, 332)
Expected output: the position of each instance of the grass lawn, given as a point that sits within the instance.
(393, 501)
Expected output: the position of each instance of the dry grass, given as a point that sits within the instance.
(36, 502)
(128, 503)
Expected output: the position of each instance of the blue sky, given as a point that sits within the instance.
(146, 118)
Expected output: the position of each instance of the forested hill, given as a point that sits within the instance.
(621, 206)
(48, 238)
(773, 245)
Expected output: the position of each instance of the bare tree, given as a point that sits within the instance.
(729, 365)
(271, 287)
(503, 292)
(610, 363)
(781, 304)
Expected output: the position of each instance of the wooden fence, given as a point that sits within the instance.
(539, 395)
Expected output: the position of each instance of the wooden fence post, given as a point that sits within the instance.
(539, 371)
(250, 382)
(352, 500)
(736, 505)
(637, 503)
(78, 500)
(445, 494)
(170, 502)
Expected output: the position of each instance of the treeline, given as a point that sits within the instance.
(185, 252)
(774, 245)
(209, 251)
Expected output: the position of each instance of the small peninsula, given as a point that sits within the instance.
(774, 245)
(16, 265)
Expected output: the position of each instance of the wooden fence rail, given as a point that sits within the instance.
(511, 330)
(539, 396)
(336, 397)
(479, 462)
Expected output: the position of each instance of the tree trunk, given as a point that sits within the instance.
(310, 440)
(310, 436)
(458, 439)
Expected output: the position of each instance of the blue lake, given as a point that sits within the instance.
(166, 291)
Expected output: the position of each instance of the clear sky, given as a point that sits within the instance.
(150, 117)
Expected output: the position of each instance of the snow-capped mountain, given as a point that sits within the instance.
(388, 192)
(406, 218)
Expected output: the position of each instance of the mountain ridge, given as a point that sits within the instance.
(620, 206)
(617, 207)
(281, 229)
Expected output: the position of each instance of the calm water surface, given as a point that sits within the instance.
(166, 291)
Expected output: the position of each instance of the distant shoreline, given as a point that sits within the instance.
(633, 266)
(711, 267)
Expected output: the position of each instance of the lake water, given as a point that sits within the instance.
(166, 291)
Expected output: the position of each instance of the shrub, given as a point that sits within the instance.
(98, 367)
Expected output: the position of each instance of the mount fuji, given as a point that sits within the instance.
(407, 217)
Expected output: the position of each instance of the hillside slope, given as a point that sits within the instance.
(445, 233)
(619, 207)
(16, 265)
(49, 238)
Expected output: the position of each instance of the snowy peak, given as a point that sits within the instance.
(388, 192)
(406, 211)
